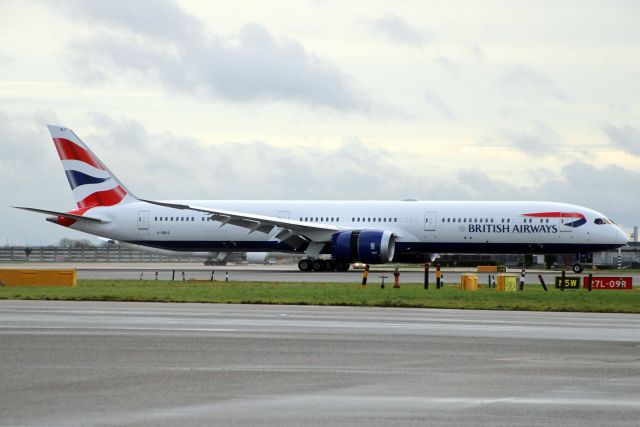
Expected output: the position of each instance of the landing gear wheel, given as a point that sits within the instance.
(577, 268)
(342, 266)
(329, 265)
(318, 265)
(304, 265)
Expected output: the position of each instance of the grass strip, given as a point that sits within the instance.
(337, 294)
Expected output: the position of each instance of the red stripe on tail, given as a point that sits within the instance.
(68, 150)
(103, 198)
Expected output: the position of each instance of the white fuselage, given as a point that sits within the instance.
(419, 226)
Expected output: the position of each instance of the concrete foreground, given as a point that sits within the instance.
(91, 363)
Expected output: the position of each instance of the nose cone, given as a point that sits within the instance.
(621, 237)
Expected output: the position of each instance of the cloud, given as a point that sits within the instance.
(529, 83)
(30, 175)
(625, 138)
(441, 107)
(608, 188)
(158, 19)
(398, 30)
(532, 137)
(161, 42)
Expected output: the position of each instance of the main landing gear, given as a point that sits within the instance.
(309, 264)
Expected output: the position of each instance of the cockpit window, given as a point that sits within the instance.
(603, 221)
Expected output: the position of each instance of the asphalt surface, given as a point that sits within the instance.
(102, 363)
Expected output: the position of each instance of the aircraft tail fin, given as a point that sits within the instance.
(92, 183)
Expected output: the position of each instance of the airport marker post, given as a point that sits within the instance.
(426, 275)
(542, 282)
(396, 278)
(589, 282)
(364, 277)
(382, 284)
(562, 280)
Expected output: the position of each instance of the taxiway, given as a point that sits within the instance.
(101, 363)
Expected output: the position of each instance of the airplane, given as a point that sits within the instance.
(330, 234)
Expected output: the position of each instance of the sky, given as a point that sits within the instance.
(322, 99)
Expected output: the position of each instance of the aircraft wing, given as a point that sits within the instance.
(292, 232)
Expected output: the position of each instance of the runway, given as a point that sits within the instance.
(101, 363)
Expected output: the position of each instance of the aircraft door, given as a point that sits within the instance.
(430, 221)
(143, 220)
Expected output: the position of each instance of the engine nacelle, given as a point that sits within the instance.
(368, 246)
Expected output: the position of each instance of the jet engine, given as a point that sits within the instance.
(368, 246)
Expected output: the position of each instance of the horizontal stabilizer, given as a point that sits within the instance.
(62, 214)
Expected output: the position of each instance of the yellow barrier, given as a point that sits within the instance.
(37, 277)
(507, 283)
(487, 269)
(469, 282)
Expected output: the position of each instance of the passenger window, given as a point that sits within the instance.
(395, 219)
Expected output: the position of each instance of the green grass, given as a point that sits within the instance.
(409, 295)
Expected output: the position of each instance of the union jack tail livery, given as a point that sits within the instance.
(92, 183)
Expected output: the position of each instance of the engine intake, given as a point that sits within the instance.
(368, 246)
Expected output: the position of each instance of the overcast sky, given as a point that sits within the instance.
(321, 99)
